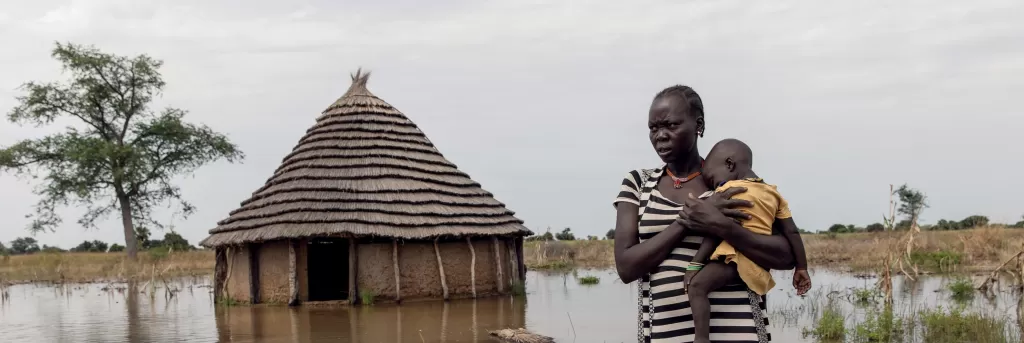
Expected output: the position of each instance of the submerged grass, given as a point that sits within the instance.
(881, 326)
(367, 297)
(954, 325)
(588, 280)
(831, 326)
(961, 289)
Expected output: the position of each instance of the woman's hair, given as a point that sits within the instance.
(691, 98)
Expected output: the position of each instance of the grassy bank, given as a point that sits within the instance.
(85, 267)
(937, 251)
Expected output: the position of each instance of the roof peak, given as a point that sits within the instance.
(358, 87)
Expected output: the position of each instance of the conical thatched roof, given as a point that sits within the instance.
(365, 169)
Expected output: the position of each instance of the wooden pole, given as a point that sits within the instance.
(254, 273)
(293, 279)
(513, 269)
(497, 261)
(231, 259)
(472, 266)
(220, 264)
(352, 272)
(398, 282)
(440, 268)
(519, 258)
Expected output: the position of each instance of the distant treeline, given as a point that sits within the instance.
(942, 225)
(28, 245)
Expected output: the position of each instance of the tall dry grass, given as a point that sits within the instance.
(569, 254)
(977, 249)
(971, 250)
(89, 267)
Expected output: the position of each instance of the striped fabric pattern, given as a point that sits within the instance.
(737, 314)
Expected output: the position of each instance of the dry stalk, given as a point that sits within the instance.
(993, 278)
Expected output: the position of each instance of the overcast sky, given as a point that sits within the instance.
(545, 104)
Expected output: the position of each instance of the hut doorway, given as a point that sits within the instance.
(327, 268)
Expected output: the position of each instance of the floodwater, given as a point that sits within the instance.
(556, 305)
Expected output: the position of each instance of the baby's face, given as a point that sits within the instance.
(716, 171)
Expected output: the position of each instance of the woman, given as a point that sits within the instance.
(660, 224)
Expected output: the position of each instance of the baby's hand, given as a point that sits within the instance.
(801, 281)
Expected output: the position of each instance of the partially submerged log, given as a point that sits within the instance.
(520, 335)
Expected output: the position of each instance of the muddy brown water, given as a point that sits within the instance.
(556, 305)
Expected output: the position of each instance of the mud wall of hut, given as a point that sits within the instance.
(237, 279)
(419, 274)
(274, 271)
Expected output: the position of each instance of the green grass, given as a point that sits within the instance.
(865, 296)
(941, 261)
(880, 326)
(367, 297)
(518, 288)
(961, 289)
(831, 327)
(955, 325)
(589, 280)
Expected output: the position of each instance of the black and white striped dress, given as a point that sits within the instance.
(737, 314)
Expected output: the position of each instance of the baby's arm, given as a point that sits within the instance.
(792, 234)
(707, 246)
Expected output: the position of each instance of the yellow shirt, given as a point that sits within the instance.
(768, 205)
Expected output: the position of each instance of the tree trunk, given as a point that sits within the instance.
(130, 244)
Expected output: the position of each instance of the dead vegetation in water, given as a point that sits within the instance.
(519, 336)
(91, 267)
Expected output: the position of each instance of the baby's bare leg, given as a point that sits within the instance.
(713, 276)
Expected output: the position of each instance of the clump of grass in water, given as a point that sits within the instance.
(228, 301)
(831, 327)
(367, 297)
(865, 296)
(961, 289)
(942, 260)
(589, 280)
(954, 325)
(518, 288)
(883, 327)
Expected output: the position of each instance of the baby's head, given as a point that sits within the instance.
(728, 160)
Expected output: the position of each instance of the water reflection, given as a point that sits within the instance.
(556, 305)
(455, 321)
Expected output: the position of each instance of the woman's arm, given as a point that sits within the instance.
(706, 217)
(632, 258)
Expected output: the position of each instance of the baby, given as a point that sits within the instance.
(729, 164)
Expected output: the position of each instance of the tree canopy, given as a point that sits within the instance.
(121, 155)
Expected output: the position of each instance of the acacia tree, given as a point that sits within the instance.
(121, 155)
(912, 202)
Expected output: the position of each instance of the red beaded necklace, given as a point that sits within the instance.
(677, 182)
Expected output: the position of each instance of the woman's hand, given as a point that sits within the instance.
(710, 216)
(727, 205)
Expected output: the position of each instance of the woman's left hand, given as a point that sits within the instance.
(703, 217)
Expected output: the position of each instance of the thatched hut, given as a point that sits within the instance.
(365, 205)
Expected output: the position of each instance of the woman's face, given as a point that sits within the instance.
(673, 128)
